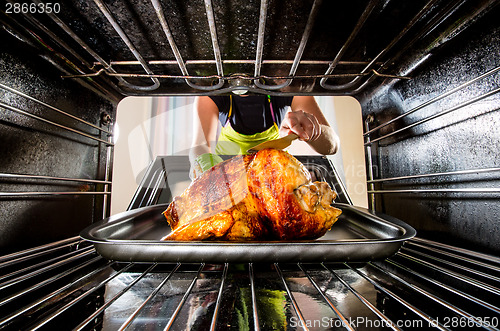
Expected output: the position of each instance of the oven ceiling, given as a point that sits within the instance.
(165, 47)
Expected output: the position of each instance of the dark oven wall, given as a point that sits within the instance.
(53, 156)
(433, 141)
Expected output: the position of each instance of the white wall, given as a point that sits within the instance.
(350, 130)
(131, 150)
(148, 127)
(343, 113)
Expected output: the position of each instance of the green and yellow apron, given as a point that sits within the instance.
(231, 142)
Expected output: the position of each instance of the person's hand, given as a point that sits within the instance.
(303, 124)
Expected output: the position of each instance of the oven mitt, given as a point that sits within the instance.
(208, 160)
(203, 163)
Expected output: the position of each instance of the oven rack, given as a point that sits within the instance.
(40, 117)
(431, 15)
(435, 99)
(220, 77)
(426, 284)
(374, 137)
(42, 180)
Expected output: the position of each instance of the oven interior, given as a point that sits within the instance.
(426, 74)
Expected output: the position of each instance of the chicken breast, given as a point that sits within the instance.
(268, 195)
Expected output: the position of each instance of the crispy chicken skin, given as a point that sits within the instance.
(263, 196)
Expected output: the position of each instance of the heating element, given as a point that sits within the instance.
(112, 55)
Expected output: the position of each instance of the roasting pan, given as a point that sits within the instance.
(358, 236)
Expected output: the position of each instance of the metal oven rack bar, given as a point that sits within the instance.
(185, 297)
(290, 295)
(422, 32)
(441, 113)
(364, 16)
(449, 271)
(367, 303)
(215, 44)
(40, 179)
(20, 111)
(370, 142)
(95, 86)
(229, 61)
(82, 44)
(21, 176)
(325, 297)
(451, 190)
(411, 289)
(435, 99)
(257, 78)
(298, 54)
(5, 87)
(440, 174)
(45, 266)
(217, 309)
(109, 16)
(156, 290)
(255, 313)
(41, 194)
(180, 62)
(372, 69)
(88, 49)
(403, 302)
(91, 318)
(431, 25)
(449, 173)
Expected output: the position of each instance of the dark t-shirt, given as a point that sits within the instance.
(252, 114)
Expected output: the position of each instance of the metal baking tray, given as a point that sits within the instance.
(358, 236)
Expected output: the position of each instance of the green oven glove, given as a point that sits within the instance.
(208, 160)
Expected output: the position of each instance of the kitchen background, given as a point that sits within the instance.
(150, 126)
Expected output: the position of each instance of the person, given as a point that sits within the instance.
(248, 120)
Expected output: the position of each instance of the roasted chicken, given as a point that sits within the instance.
(267, 195)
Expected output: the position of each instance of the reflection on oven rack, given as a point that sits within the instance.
(67, 283)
